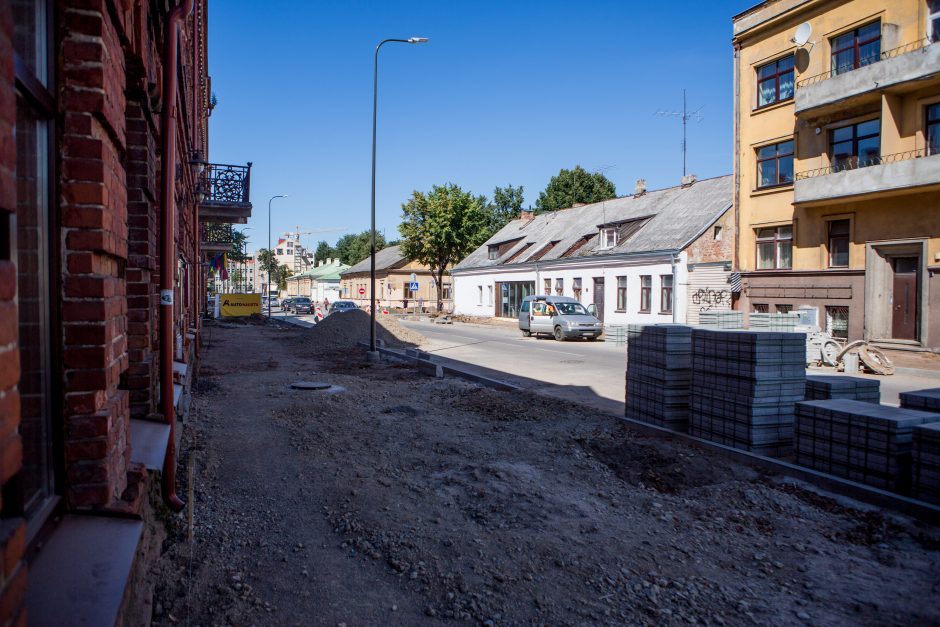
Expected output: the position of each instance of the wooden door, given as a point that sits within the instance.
(599, 297)
(904, 298)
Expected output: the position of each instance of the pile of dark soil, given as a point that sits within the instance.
(341, 331)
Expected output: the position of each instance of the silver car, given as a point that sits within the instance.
(562, 317)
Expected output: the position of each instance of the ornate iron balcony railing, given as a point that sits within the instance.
(855, 163)
(887, 54)
(223, 183)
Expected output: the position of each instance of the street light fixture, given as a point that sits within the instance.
(375, 106)
(269, 249)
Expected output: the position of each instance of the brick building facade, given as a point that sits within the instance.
(85, 106)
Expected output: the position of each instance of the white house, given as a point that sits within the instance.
(657, 256)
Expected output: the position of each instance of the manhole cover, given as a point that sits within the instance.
(310, 385)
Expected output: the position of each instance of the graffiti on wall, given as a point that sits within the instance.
(706, 299)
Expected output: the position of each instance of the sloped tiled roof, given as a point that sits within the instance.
(385, 259)
(671, 217)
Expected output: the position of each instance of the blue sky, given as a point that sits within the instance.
(504, 93)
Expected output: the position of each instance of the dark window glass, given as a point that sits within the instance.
(761, 308)
(933, 20)
(775, 81)
(775, 248)
(621, 293)
(781, 308)
(933, 129)
(665, 296)
(646, 293)
(856, 145)
(857, 48)
(837, 322)
(775, 164)
(838, 243)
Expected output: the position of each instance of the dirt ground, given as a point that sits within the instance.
(396, 498)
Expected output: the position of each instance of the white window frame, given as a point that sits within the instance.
(608, 237)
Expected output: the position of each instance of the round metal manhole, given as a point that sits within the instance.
(310, 385)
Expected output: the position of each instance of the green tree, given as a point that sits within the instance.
(506, 206)
(280, 277)
(353, 248)
(237, 251)
(575, 186)
(441, 227)
(324, 251)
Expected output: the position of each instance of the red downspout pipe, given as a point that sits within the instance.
(168, 241)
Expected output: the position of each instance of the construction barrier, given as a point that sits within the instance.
(234, 305)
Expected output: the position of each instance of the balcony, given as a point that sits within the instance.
(226, 193)
(884, 175)
(904, 68)
(216, 237)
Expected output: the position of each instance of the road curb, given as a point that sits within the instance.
(426, 364)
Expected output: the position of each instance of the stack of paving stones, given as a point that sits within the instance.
(722, 319)
(744, 388)
(827, 387)
(924, 400)
(926, 463)
(659, 373)
(773, 321)
(860, 441)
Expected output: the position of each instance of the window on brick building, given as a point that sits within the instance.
(837, 322)
(760, 308)
(34, 114)
(783, 308)
(716, 234)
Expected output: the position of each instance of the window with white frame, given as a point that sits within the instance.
(775, 248)
(608, 238)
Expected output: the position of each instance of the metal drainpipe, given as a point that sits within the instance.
(168, 241)
(675, 288)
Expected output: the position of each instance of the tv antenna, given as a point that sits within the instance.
(685, 115)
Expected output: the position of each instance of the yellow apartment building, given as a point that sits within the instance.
(837, 165)
(393, 272)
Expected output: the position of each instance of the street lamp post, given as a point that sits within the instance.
(375, 106)
(269, 250)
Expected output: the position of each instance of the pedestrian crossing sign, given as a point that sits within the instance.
(413, 286)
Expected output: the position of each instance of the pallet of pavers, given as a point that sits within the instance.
(924, 400)
(860, 441)
(744, 388)
(822, 387)
(926, 463)
(659, 374)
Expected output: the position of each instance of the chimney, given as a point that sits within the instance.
(527, 215)
(640, 188)
(688, 180)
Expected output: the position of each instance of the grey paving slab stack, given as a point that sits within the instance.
(926, 463)
(822, 387)
(722, 319)
(860, 441)
(924, 400)
(659, 372)
(744, 387)
(773, 321)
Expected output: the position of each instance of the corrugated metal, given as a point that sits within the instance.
(708, 290)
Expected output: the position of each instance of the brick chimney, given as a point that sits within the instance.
(527, 215)
(640, 188)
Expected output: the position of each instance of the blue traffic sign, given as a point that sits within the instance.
(413, 286)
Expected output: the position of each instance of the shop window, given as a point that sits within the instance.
(775, 248)
(621, 293)
(837, 322)
(775, 164)
(775, 81)
(855, 146)
(646, 293)
(856, 48)
(838, 243)
(665, 293)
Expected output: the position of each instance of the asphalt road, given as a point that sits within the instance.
(588, 372)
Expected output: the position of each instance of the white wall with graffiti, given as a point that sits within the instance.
(708, 289)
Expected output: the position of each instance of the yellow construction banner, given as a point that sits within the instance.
(240, 305)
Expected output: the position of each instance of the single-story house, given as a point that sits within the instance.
(319, 283)
(393, 282)
(656, 256)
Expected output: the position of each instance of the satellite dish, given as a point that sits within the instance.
(803, 33)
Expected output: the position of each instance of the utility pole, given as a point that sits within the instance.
(685, 116)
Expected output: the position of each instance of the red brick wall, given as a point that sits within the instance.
(12, 527)
(707, 249)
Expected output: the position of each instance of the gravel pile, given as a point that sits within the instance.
(339, 332)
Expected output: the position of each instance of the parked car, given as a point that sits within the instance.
(562, 317)
(271, 301)
(341, 306)
(301, 304)
(286, 303)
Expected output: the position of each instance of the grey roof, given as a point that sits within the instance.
(385, 259)
(666, 220)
